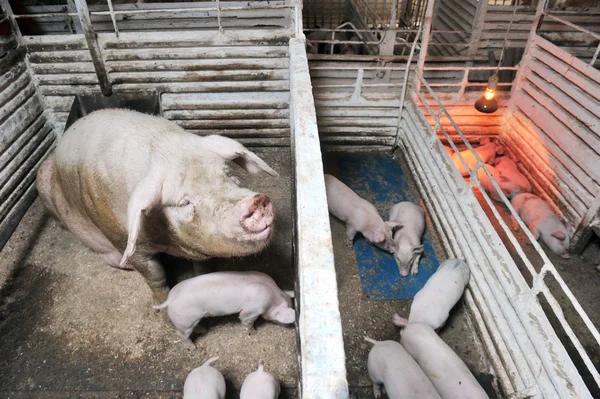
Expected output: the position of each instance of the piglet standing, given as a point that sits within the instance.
(543, 223)
(204, 382)
(487, 151)
(448, 373)
(391, 365)
(433, 302)
(260, 384)
(359, 215)
(251, 294)
(408, 236)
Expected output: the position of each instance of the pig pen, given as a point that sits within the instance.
(242, 71)
(533, 311)
(72, 327)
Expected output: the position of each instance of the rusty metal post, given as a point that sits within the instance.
(93, 46)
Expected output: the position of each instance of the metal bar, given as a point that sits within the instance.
(93, 46)
(470, 84)
(418, 36)
(595, 57)
(469, 68)
(572, 25)
(12, 18)
(322, 358)
(425, 40)
(178, 10)
(478, 22)
(521, 73)
(394, 14)
(219, 17)
(48, 15)
(112, 16)
(75, 21)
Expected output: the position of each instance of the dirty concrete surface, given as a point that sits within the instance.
(363, 317)
(73, 327)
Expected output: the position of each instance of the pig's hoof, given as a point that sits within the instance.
(349, 244)
(250, 330)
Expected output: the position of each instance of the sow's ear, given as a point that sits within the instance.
(145, 197)
(231, 150)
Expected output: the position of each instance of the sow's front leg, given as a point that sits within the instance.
(154, 273)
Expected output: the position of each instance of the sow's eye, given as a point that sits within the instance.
(185, 201)
(185, 208)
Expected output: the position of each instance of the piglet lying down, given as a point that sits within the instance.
(251, 294)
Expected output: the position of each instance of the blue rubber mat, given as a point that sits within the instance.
(382, 181)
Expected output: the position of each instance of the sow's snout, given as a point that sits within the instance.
(257, 219)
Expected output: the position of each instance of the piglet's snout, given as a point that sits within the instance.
(259, 214)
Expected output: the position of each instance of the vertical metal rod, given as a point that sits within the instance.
(425, 41)
(477, 27)
(393, 14)
(112, 16)
(520, 76)
(13, 21)
(595, 57)
(94, 48)
(405, 85)
(219, 17)
(73, 9)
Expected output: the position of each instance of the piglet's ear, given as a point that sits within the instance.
(145, 197)
(395, 226)
(559, 235)
(231, 150)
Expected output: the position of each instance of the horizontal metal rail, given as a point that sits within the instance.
(156, 11)
(572, 25)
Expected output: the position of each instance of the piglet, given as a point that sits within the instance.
(433, 302)
(260, 384)
(487, 151)
(448, 373)
(251, 294)
(486, 182)
(407, 236)
(507, 168)
(543, 223)
(204, 382)
(358, 214)
(391, 365)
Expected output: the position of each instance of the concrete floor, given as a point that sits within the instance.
(361, 316)
(73, 327)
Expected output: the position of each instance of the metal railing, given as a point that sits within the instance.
(580, 29)
(525, 298)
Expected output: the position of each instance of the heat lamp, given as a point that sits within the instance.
(487, 103)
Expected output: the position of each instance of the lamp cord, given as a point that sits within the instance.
(506, 38)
